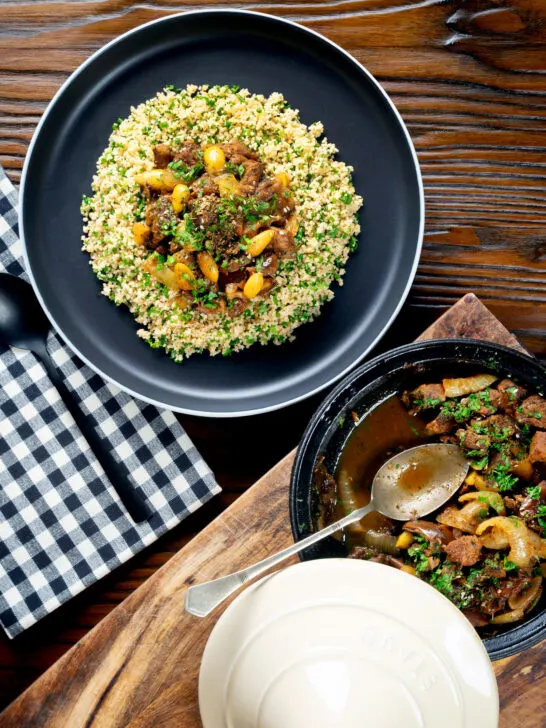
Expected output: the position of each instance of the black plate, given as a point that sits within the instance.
(264, 54)
(405, 368)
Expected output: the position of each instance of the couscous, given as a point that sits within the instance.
(219, 219)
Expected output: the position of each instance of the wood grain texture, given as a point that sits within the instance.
(139, 667)
(467, 75)
(469, 79)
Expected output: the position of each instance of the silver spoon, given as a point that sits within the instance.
(409, 485)
(24, 324)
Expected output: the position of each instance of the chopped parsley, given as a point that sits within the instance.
(503, 480)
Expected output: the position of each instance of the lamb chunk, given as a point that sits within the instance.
(267, 188)
(163, 154)
(511, 395)
(163, 217)
(283, 243)
(424, 397)
(532, 411)
(284, 204)
(500, 427)
(469, 439)
(465, 550)
(250, 179)
(441, 425)
(237, 307)
(537, 451)
(530, 505)
(490, 401)
(431, 531)
(205, 212)
(189, 154)
(236, 148)
(204, 186)
(270, 264)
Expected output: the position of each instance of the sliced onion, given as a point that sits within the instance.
(525, 599)
(508, 617)
(384, 542)
(519, 538)
(348, 500)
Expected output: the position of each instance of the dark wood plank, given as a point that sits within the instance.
(140, 665)
(467, 76)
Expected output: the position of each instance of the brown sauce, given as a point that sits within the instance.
(413, 477)
(385, 431)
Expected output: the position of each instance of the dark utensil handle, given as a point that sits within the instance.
(137, 508)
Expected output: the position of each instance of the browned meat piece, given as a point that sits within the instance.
(205, 212)
(253, 174)
(238, 225)
(433, 532)
(237, 148)
(284, 204)
(162, 219)
(189, 154)
(283, 243)
(267, 188)
(270, 264)
(162, 249)
(441, 425)
(512, 503)
(226, 277)
(366, 553)
(388, 560)
(449, 439)
(471, 440)
(514, 585)
(500, 427)
(235, 266)
(475, 618)
(532, 411)
(163, 154)
(530, 505)
(424, 397)
(237, 307)
(465, 550)
(537, 451)
(203, 186)
(489, 402)
(495, 596)
(511, 395)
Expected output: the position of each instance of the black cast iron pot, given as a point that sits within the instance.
(370, 384)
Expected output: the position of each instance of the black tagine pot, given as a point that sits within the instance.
(369, 385)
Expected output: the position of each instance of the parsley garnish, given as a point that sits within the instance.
(502, 478)
(508, 565)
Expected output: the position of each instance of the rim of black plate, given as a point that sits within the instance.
(403, 297)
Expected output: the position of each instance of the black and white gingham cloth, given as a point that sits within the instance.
(62, 526)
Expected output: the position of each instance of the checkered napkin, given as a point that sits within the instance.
(62, 526)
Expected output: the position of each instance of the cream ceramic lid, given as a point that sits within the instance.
(343, 643)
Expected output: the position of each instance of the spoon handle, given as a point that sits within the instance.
(137, 508)
(203, 598)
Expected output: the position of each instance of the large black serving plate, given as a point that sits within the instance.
(391, 373)
(265, 54)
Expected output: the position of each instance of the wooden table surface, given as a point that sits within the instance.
(468, 76)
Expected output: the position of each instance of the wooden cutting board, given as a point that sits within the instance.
(139, 667)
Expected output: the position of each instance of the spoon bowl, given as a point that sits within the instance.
(418, 481)
(22, 321)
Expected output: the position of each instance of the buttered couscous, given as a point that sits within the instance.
(219, 219)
